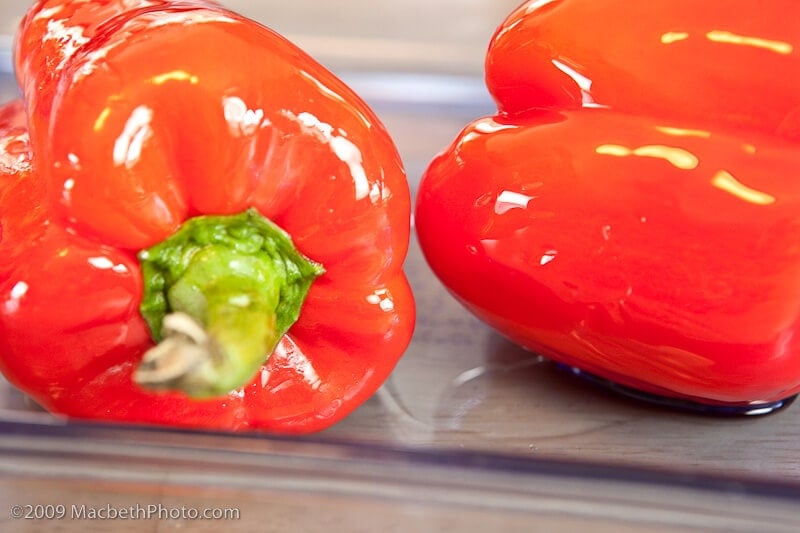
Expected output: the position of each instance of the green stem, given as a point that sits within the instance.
(219, 295)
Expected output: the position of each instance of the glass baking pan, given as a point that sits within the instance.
(470, 432)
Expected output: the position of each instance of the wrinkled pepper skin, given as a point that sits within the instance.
(135, 117)
(633, 209)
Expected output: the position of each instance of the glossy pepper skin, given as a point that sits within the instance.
(633, 209)
(139, 116)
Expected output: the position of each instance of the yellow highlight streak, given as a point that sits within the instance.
(677, 157)
(749, 149)
(175, 75)
(674, 36)
(613, 149)
(101, 119)
(779, 47)
(683, 132)
(726, 182)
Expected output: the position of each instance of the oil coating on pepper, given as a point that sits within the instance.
(178, 173)
(633, 209)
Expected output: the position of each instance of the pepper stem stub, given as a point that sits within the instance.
(183, 360)
(218, 296)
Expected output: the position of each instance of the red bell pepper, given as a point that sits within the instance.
(179, 173)
(633, 209)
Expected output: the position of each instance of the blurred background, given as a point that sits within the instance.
(440, 35)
